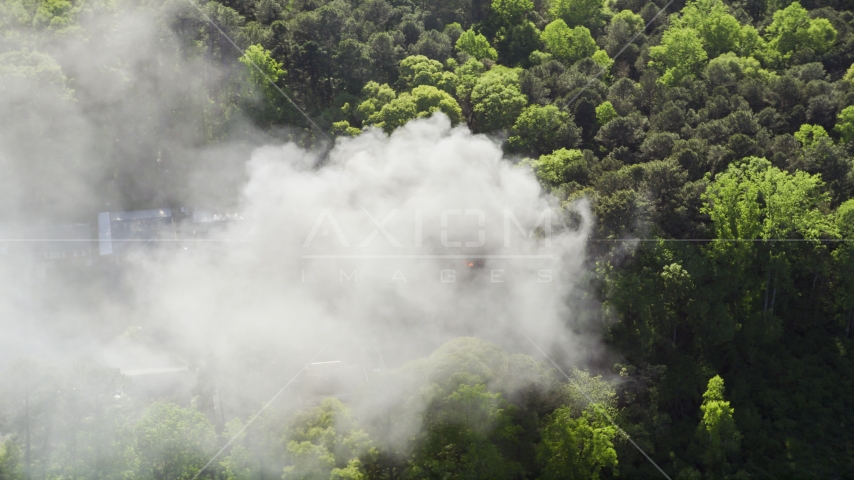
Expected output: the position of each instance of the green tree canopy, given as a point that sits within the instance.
(261, 67)
(680, 55)
(511, 12)
(721, 438)
(418, 70)
(568, 44)
(793, 30)
(754, 200)
(719, 31)
(475, 45)
(173, 442)
(421, 102)
(576, 448)
(845, 124)
(324, 443)
(542, 129)
(576, 13)
(809, 134)
(605, 112)
(497, 99)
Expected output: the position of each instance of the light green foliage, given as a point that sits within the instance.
(376, 97)
(54, 14)
(325, 443)
(720, 433)
(538, 58)
(463, 435)
(497, 99)
(568, 44)
(843, 259)
(577, 394)
(10, 461)
(421, 102)
(511, 12)
(576, 448)
(237, 465)
(552, 169)
(680, 54)
(475, 45)
(791, 203)
(418, 70)
(542, 129)
(845, 124)
(173, 442)
(734, 68)
(849, 75)
(603, 60)
(793, 30)
(605, 113)
(32, 67)
(719, 31)
(632, 19)
(809, 134)
(344, 128)
(466, 77)
(262, 68)
(589, 13)
(845, 219)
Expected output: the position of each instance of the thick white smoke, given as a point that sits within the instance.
(398, 241)
(393, 244)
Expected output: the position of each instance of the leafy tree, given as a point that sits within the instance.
(18, 68)
(497, 100)
(516, 43)
(475, 45)
(344, 128)
(542, 129)
(173, 442)
(261, 67)
(421, 102)
(793, 30)
(719, 432)
(325, 443)
(719, 31)
(809, 134)
(729, 69)
(849, 75)
(466, 77)
(626, 132)
(463, 436)
(680, 55)
(419, 70)
(576, 448)
(376, 97)
(791, 203)
(568, 44)
(605, 62)
(433, 44)
(576, 13)
(10, 461)
(511, 12)
(605, 113)
(845, 124)
(561, 166)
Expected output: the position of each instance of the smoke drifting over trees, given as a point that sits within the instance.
(487, 195)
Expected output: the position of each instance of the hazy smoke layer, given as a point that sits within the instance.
(400, 241)
(396, 243)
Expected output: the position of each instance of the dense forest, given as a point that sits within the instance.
(713, 140)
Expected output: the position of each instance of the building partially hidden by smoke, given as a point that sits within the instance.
(62, 246)
(340, 378)
(126, 233)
